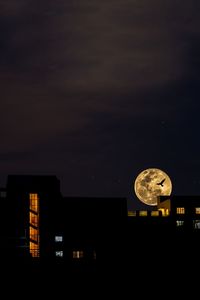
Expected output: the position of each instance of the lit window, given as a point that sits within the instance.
(131, 213)
(164, 212)
(34, 234)
(77, 254)
(59, 253)
(180, 210)
(197, 210)
(155, 213)
(34, 250)
(179, 223)
(33, 219)
(34, 202)
(143, 213)
(58, 238)
(196, 224)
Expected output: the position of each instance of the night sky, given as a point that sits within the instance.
(97, 91)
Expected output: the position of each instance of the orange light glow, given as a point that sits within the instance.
(164, 212)
(34, 234)
(34, 202)
(180, 210)
(34, 251)
(33, 219)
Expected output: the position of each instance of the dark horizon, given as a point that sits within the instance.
(133, 203)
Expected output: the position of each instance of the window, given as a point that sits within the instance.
(34, 250)
(197, 210)
(196, 224)
(58, 238)
(59, 253)
(34, 201)
(179, 223)
(33, 219)
(164, 212)
(34, 233)
(143, 213)
(155, 213)
(180, 210)
(77, 254)
(131, 213)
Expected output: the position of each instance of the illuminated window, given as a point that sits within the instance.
(180, 210)
(59, 253)
(34, 250)
(34, 234)
(143, 213)
(78, 254)
(131, 213)
(179, 223)
(33, 219)
(196, 224)
(155, 213)
(34, 202)
(197, 210)
(164, 212)
(58, 238)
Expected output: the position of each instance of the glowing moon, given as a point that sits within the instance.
(150, 184)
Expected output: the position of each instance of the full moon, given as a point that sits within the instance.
(150, 184)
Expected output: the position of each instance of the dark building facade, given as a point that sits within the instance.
(30, 206)
(184, 212)
(169, 233)
(40, 224)
(93, 228)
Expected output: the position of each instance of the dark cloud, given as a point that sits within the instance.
(96, 91)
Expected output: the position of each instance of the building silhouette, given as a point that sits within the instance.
(30, 206)
(42, 225)
(39, 225)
